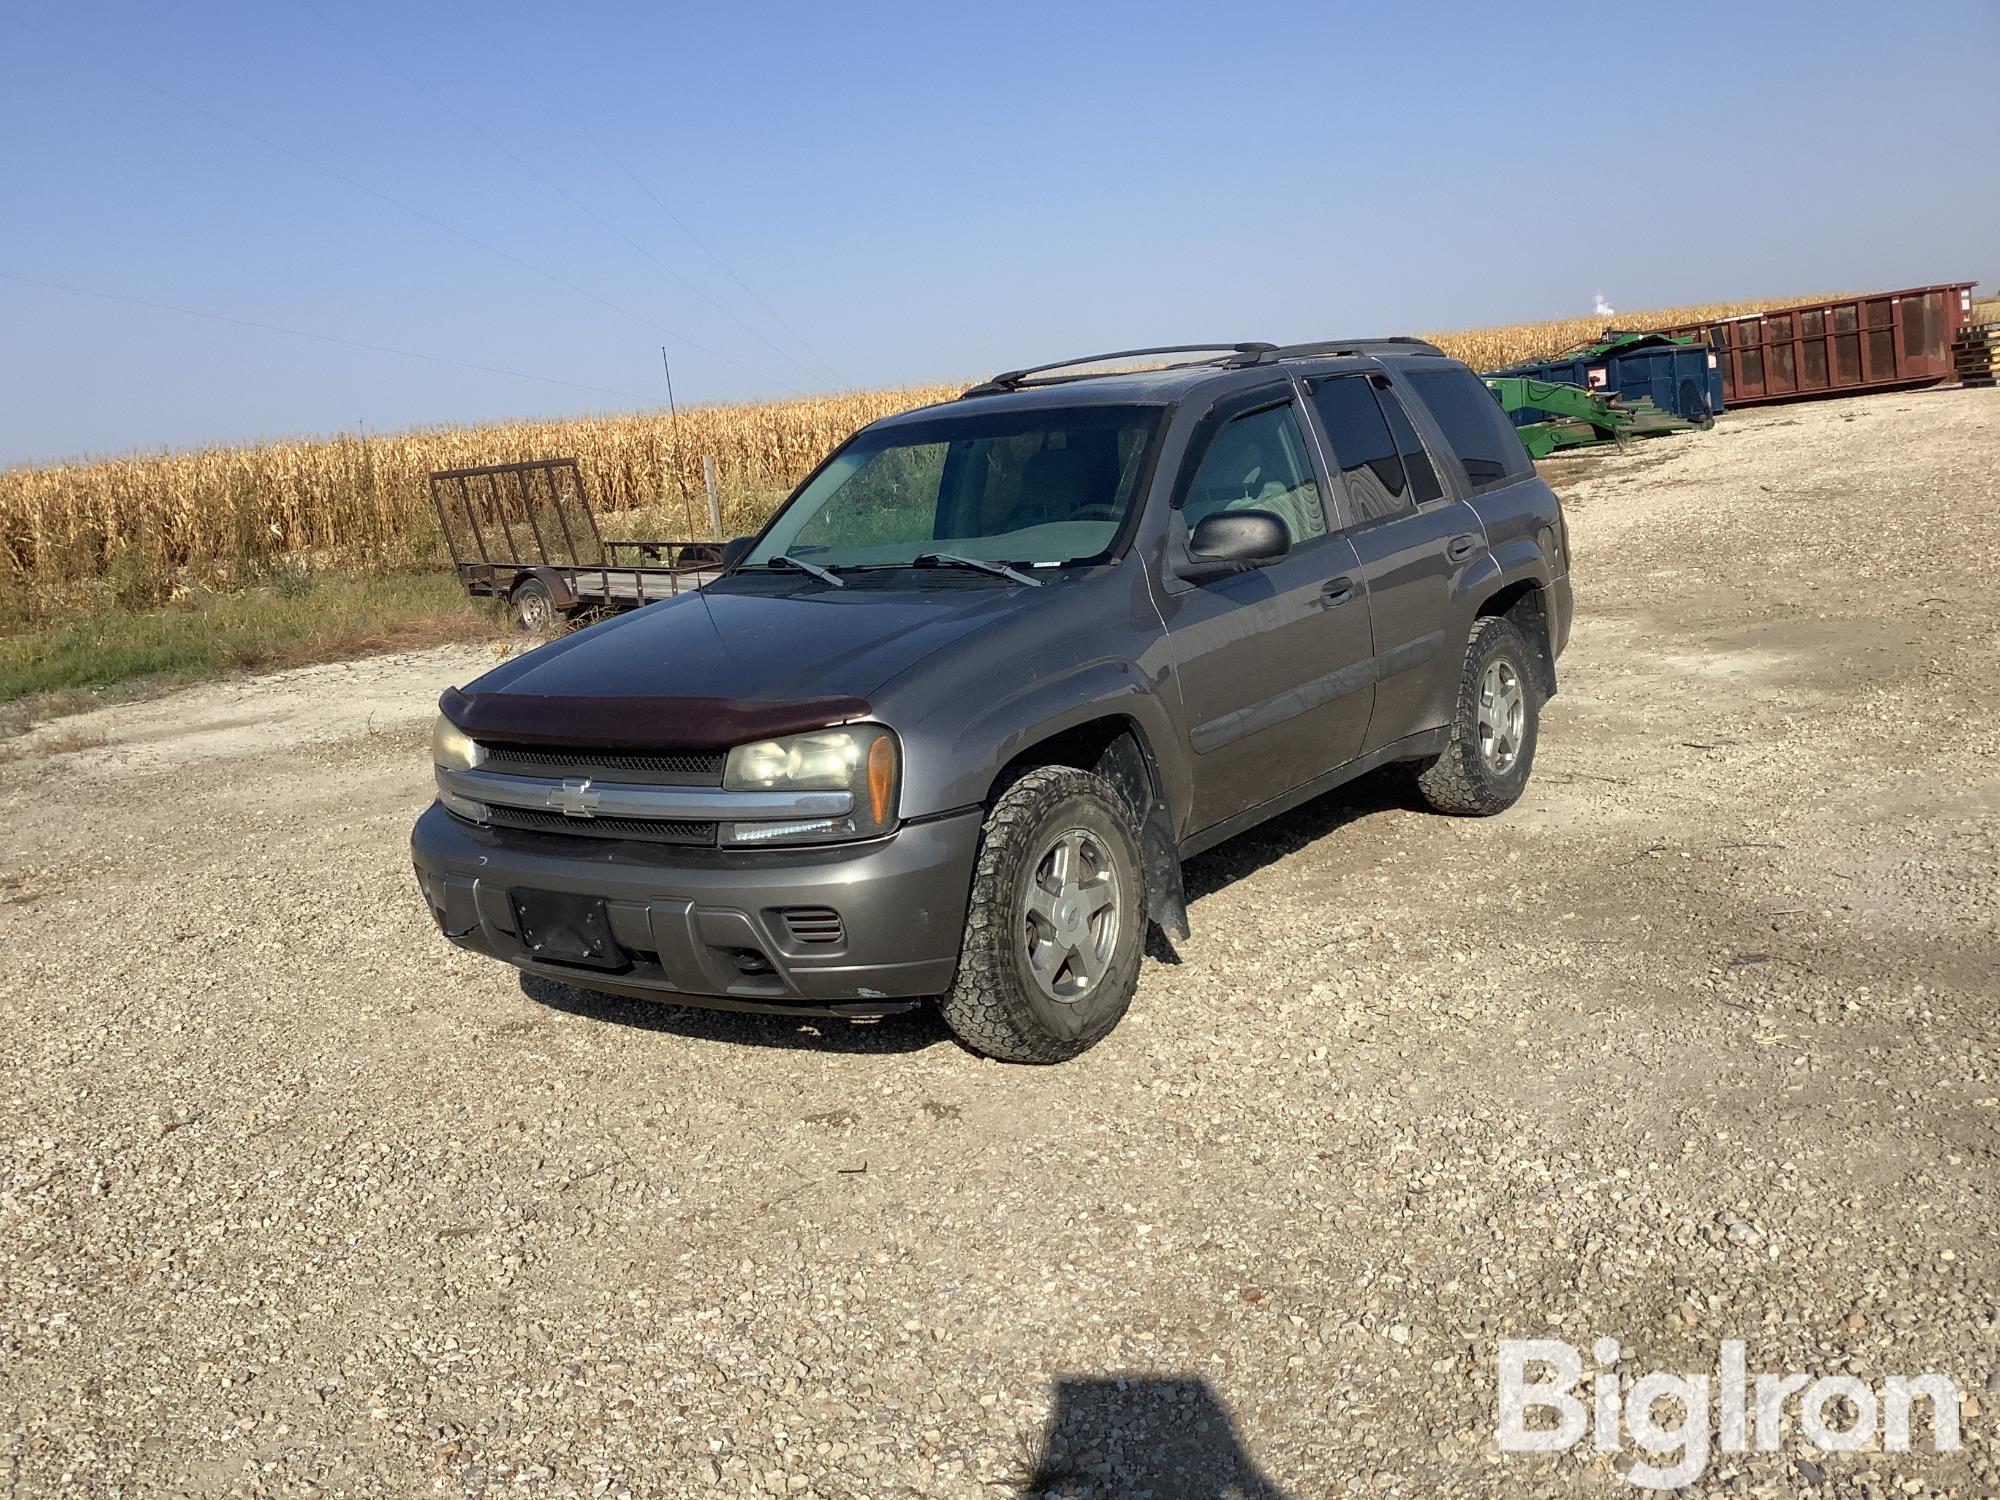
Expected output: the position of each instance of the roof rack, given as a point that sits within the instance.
(1223, 356)
(1229, 355)
(1397, 345)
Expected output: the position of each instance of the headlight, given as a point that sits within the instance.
(452, 749)
(860, 759)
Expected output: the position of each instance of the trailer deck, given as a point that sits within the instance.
(526, 533)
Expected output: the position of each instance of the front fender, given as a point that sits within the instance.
(952, 757)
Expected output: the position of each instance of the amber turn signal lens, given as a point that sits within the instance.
(881, 778)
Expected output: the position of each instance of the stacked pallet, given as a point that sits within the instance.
(1973, 351)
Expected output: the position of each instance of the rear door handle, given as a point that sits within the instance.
(1459, 548)
(1337, 591)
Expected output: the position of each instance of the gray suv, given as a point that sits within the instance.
(945, 730)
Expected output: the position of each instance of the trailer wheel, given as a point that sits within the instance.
(534, 606)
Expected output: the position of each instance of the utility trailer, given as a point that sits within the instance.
(526, 533)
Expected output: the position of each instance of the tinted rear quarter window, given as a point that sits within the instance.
(1424, 486)
(1371, 470)
(1474, 425)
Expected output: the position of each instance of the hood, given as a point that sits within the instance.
(745, 640)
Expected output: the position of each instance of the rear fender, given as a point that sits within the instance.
(1512, 562)
(1509, 569)
(557, 583)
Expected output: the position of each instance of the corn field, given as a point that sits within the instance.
(140, 530)
(1490, 348)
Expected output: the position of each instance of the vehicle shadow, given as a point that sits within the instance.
(1391, 789)
(910, 1032)
(1165, 1436)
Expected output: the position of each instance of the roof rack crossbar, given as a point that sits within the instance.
(1013, 380)
(1330, 347)
(1227, 356)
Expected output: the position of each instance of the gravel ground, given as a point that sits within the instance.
(1696, 1043)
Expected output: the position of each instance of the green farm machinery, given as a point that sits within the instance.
(1623, 386)
(1574, 417)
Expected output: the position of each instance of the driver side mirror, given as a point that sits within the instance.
(733, 550)
(1234, 541)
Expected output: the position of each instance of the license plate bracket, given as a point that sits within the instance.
(563, 927)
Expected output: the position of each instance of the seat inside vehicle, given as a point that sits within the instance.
(1058, 482)
(1255, 463)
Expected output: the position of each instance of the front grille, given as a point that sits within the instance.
(814, 925)
(661, 767)
(650, 830)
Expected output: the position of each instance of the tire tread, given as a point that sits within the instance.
(982, 1008)
(1458, 782)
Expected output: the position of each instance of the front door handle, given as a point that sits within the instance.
(1337, 591)
(1459, 548)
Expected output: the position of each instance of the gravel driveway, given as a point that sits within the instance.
(1697, 1043)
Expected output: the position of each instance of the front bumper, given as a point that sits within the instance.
(684, 918)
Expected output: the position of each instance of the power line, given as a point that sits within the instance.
(556, 187)
(702, 244)
(397, 203)
(324, 338)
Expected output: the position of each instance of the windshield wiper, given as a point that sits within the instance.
(980, 564)
(824, 575)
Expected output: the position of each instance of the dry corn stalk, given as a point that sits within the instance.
(151, 525)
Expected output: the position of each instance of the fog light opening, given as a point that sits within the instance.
(805, 830)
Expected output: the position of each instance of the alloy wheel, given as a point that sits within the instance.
(1070, 928)
(1503, 712)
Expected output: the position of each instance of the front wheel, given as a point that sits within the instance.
(1484, 767)
(1056, 923)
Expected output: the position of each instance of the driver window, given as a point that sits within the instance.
(1258, 462)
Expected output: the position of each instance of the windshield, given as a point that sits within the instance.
(1026, 487)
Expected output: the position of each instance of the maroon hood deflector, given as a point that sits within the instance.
(639, 723)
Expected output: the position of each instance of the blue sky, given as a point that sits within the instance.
(895, 194)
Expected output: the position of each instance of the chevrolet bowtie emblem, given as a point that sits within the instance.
(576, 798)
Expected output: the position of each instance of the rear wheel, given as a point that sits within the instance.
(1484, 768)
(534, 606)
(1056, 922)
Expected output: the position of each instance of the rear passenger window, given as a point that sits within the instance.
(1364, 450)
(1258, 462)
(1424, 486)
(1474, 425)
